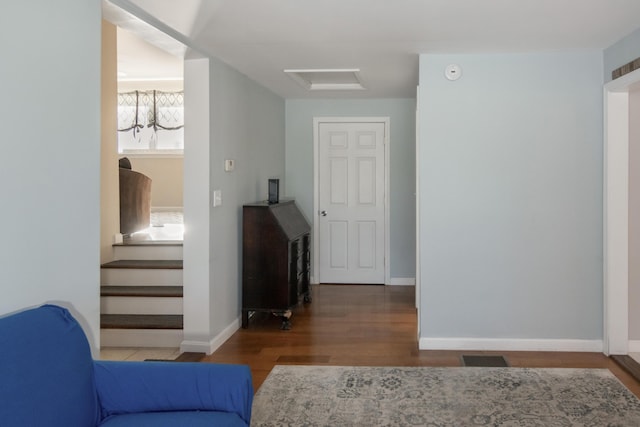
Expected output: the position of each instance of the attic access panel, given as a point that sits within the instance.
(328, 79)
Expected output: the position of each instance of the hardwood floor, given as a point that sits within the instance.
(367, 325)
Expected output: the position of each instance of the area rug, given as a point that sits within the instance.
(421, 396)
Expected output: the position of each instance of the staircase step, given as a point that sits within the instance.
(163, 264)
(141, 338)
(141, 305)
(140, 321)
(142, 277)
(141, 291)
(149, 243)
(148, 250)
(141, 295)
(141, 300)
(142, 272)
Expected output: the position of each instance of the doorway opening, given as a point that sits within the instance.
(151, 130)
(617, 169)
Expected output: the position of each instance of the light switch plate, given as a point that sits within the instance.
(217, 198)
(229, 165)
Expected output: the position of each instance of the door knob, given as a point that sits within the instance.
(323, 213)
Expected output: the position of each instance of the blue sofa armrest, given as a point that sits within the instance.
(132, 387)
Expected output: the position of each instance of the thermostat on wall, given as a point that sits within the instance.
(453, 72)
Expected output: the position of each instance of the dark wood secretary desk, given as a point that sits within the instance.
(276, 259)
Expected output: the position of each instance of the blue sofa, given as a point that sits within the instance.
(48, 378)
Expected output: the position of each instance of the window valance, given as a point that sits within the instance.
(144, 113)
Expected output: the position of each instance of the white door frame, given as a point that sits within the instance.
(316, 188)
(616, 213)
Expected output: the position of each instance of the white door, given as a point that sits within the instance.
(351, 198)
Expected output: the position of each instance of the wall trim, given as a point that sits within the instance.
(402, 281)
(616, 213)
(212, 345)
(505, 344)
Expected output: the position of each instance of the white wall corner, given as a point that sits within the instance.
(499, 344)
(212, 345)
(616, 219)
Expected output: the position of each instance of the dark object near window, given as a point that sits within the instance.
(274, 191)
(124, 163)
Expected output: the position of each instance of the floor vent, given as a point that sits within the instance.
(484, 361)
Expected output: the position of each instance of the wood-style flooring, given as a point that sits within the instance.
(363, 325)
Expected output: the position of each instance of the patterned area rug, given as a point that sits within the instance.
(403, 396)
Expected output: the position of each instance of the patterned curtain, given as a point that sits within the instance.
(154, 109)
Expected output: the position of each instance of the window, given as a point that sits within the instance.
(151, 122)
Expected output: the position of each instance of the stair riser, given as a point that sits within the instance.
(147, 252)
(140, 338)
(133, 276)
(141, 305)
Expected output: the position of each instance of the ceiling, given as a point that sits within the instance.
(381, 38)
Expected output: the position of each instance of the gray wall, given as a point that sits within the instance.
(50, 174)
(511, 196)
(622, 52)
(247, 125)
(299, 164)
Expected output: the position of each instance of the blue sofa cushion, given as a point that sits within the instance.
(173, 419)
(132, 387)
(46, 370)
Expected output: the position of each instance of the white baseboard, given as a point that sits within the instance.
(212, 345)
(394, 281)
(402, 281)
(491, 344)
(634, 346)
